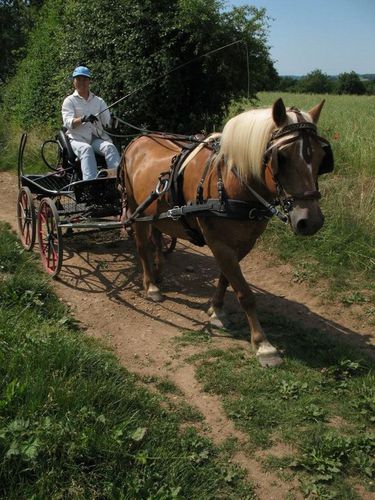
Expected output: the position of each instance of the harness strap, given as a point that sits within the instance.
(269, 206)
(199, 196)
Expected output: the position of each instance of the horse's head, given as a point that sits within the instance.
(295, 156)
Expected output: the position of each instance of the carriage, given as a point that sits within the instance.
(58, 204)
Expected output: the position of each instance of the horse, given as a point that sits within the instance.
(227, 189)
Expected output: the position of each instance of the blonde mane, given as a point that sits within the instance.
(245, 138)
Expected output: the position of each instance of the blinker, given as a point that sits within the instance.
(327, 163)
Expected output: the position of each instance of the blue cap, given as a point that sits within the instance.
(81, 71)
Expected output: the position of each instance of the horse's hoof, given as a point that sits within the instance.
(268, 356)
(155, 296)
(216, 317)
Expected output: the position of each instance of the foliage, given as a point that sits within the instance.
(287, 84)
(315, 82)
(134, 47)
(16, 19)
(350, 83)
(29, 98)
(73, 423)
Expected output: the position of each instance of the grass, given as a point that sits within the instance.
(320, 402)
(74, 424)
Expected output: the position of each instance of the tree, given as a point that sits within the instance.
(287, 84)
(150, 50)
(350, 83)
(16, 19)
(315, 82)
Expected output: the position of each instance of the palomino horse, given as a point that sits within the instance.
(227, 194)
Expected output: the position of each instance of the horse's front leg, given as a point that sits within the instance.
(228, 261)
(142, 233)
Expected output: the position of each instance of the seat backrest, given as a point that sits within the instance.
(66, 146)
(69, 156)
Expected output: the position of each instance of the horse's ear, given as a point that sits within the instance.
(315, 111)
(279, 112)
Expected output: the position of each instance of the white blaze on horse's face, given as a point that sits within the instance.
(309, 165)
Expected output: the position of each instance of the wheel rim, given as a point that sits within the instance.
(49, 236)
(26, 218)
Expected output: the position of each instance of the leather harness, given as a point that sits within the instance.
(170, 185)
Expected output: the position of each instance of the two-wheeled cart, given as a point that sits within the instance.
(53, 204)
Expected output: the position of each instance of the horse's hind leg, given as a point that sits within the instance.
(216, 313)
(142, 233)
(158, 259)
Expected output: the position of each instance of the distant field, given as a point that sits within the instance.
(347, 121)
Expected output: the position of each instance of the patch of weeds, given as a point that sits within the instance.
(314, 413)
(304, 272)
(329, 454)
(149, 379)
(354, 297)
(365, 403)
(370, 315)
(194, 337)
(291, 390)
(337, 490)
(187, 413)
(166, 386)
(344, 370)
(102, 265)
(229, 446)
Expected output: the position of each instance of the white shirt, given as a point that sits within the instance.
(74, 106)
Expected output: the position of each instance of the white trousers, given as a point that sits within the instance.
(86, 153)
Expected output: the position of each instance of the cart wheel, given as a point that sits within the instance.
(50, 237)
(168, 243)
(26, 218)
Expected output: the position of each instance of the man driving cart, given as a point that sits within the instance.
(84, 116)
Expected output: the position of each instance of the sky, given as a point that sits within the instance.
(335, 36)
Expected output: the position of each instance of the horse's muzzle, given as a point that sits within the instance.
(306, 221)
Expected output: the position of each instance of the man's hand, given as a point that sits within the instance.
(89, 118)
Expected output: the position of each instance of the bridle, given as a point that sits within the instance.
(301, 130)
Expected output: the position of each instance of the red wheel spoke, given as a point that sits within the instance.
(50, 238)
(26, 218)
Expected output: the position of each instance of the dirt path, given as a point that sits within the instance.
(101, 283)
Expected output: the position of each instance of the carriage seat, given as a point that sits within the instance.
(69, 157)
